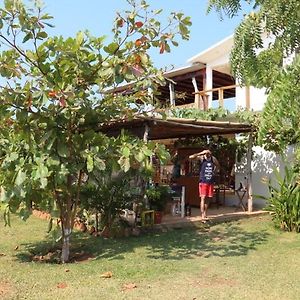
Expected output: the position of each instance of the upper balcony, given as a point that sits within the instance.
(200, 88)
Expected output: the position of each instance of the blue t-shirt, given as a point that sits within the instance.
(207, 168)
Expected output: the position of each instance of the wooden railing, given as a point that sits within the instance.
(203, 96)
(190, 105)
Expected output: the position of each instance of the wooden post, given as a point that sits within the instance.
(172, 94)
(249, 175)
(247, 94)
(221, 97)
(146, 133)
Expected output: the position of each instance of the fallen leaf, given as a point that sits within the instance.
(2, 254)
(17, 247)
(129, 286)
(67, 270)
(62, 285)
(106, 275)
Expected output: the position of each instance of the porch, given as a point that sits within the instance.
(215, 215)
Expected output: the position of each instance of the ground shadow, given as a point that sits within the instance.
(223, 241)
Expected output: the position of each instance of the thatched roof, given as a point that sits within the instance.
(160, 128)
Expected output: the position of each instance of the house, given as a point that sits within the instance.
(209, 84)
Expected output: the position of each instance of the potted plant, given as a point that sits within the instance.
(158, 197)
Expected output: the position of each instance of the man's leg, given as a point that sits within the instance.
(206, 204)
(202, 206)
(209, 195)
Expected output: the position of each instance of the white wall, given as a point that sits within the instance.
(262, 166)
(257, 98)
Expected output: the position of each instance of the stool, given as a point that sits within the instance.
(147, 218)
(241, 193)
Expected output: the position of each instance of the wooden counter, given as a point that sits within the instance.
(191, 184)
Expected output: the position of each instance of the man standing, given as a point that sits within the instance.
(209, 166)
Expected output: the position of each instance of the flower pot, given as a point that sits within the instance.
(157, 217)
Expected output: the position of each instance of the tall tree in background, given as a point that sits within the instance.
(54, 93)
(266, 55)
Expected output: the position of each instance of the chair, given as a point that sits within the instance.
(241, 193)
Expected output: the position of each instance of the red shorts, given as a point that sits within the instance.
(206, 189)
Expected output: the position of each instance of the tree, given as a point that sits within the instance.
(266, 55)
(57, 91)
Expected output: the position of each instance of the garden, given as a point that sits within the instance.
(236, 260)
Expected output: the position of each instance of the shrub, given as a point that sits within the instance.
(284, 200)
(158, 196)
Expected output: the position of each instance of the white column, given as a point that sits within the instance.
(249, 175)
(183, 202)
(209, 84)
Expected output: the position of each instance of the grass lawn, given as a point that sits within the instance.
(245, 259)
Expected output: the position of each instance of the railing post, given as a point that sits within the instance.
(221, 97)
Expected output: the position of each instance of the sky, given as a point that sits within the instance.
(71, 16)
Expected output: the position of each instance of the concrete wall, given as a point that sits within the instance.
(257, 98)
(262, 166)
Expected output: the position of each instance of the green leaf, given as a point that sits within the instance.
(147, 152)
(126, 151)
(111, 48)
(42, 35)
(21, 176)
(27, 37)
(79, 38)
(90, 163)
(140, 157)
(62, 150)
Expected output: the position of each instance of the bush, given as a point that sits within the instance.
(284, 200)
(158, 196)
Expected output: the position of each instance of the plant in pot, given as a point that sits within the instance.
(158, 197)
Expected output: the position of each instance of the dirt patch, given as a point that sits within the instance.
(5, 289)
(128, 287)
(215, 282)
(81, 257)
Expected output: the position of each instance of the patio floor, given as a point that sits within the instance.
(214, 214)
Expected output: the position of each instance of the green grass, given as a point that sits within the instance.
(247, 259)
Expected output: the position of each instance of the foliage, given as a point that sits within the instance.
(221, 145)
(284, 200)
(158, 196)
(266, 55)
(106, 194)
(282, 111)
(192, 113)
(58, 92)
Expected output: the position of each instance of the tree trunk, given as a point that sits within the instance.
(65, 253)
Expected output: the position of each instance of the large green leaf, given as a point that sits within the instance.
(62, 149)
(21, 177)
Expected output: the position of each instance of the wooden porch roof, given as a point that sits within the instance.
(158, 128)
